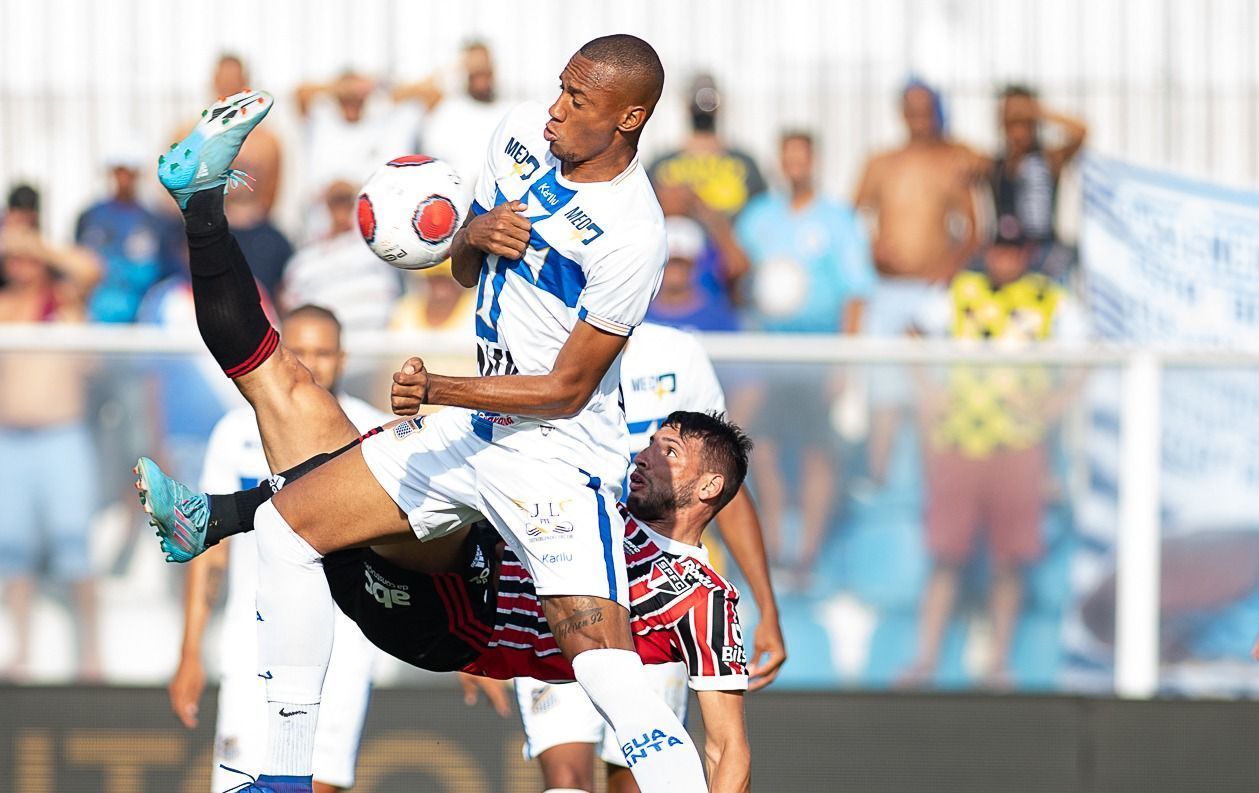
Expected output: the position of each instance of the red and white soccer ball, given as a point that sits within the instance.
(409, 211)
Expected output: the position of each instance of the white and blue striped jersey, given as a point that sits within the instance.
(596, 254)
(664, 369)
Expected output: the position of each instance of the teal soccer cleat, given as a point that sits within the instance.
(179, 515)
(203, 160)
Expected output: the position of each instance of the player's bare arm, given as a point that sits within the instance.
(502, 231)
(727, 757)
(741, 531)
(201, 589)
(562, 392)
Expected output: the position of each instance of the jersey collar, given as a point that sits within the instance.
(672, 546)
(614, 181)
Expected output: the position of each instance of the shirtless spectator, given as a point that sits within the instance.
(249, 211)
(42, 429)
(1024, 175)
(919, 202)
(459, 122)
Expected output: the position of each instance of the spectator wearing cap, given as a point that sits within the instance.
(682, 301)
(127, 237)
(43, 401)
(724, 177)
(811, 272)
(985, 429)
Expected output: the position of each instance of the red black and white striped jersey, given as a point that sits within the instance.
(681, 609)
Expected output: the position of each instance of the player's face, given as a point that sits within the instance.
(316, 344)
(664, 475)
(585, 116)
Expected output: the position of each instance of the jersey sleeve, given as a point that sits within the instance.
(711, 643)
(856, 260)
(623, 282)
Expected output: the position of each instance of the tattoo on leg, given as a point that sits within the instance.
(579, 621)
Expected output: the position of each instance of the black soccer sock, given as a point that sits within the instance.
(233, 513)
(229, 308)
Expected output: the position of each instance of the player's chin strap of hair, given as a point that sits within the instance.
(243, 786)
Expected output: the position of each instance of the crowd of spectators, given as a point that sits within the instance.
(937, 238)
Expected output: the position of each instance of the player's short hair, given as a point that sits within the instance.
(633, 58)
(801, 135)
(725, 447)
(313, 311)
(1019, 90)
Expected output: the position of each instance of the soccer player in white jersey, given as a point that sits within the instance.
(235, 460)
(663, 370)
(567, 248)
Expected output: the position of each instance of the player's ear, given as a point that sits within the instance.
(632, 119)
(710, 486)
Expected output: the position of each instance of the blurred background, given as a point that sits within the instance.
(980, 278)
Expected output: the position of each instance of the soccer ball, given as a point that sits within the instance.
(409, 211)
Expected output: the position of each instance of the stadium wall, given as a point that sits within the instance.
(71, 739)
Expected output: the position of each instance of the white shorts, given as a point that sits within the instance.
(240, 735)
(561, 521)
(557, 713)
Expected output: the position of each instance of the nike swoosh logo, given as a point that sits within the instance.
(291, 713)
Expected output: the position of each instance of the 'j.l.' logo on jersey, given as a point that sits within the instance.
(654, 742)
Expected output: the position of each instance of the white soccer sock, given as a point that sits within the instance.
(295, 613)
(661, 754)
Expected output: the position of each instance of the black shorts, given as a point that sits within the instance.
(437, 622)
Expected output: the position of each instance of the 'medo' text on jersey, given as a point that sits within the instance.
(526, 163)
(587, 230)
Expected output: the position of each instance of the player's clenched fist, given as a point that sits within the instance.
(410, 387)
(502, 231)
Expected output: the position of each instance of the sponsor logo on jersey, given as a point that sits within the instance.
(676, 576)
(542, 700)
(584, 228)
(544, 519)
(733, 655)
(526, 163)
(478, 563)
(659, 385)
(385, 591)
(555, 558)
(407, 427)
(496, 419)
(652, 742)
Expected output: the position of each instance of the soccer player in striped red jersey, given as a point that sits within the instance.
(479, 611)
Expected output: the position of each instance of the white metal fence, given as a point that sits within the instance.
(1137, 532)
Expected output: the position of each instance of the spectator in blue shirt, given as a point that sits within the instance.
(128, 238)
(810, 272)
(811, 263)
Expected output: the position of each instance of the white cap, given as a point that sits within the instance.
(126, 153)
(686, 237)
